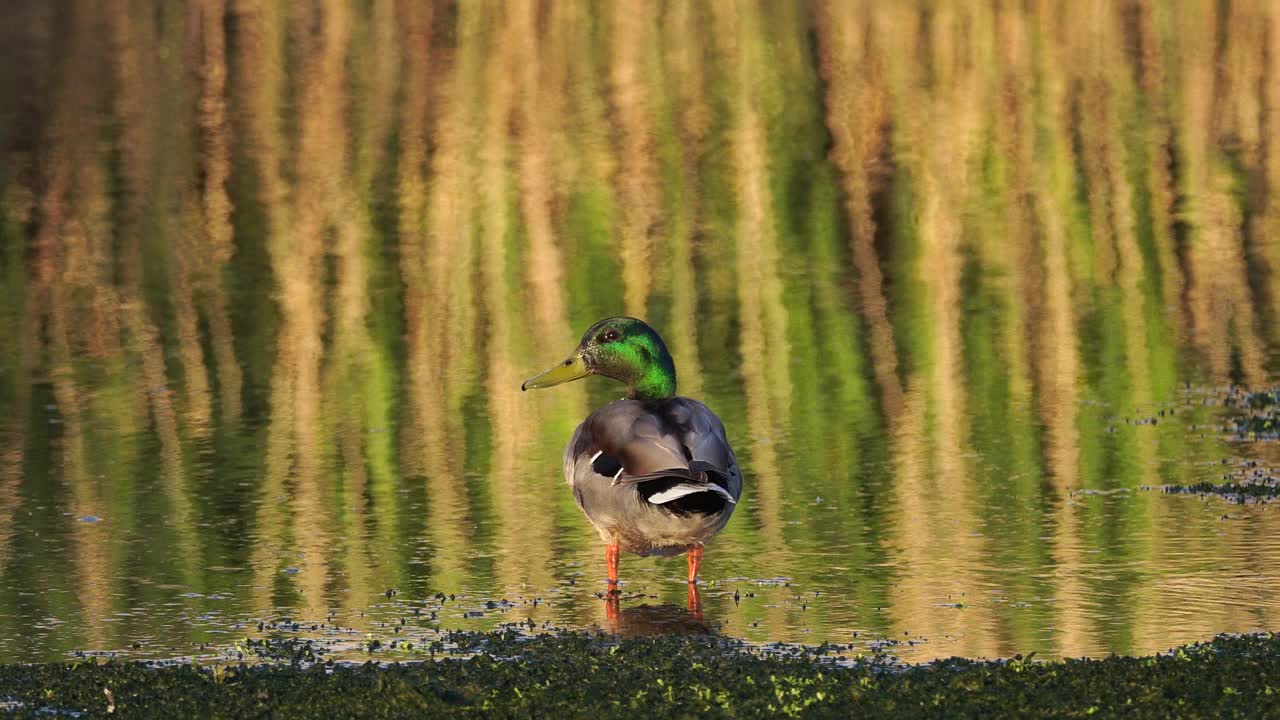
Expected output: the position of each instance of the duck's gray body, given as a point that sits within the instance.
(655, 477)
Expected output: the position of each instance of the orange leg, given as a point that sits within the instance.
(611, 556)
(695, 563)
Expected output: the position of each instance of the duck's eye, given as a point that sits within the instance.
(609, 336)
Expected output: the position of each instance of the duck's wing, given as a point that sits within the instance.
(623, 437)
(711, 462)
(675, 448)
(703, 435)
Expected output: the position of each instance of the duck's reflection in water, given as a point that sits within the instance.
(665, 619)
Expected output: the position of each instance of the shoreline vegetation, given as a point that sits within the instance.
(581, 675)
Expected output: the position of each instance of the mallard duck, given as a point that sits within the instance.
(653, 472)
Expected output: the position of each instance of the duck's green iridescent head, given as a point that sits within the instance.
(623, 348)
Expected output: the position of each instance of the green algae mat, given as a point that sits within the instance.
(579, 675)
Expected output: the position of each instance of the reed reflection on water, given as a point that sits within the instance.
(271, 274)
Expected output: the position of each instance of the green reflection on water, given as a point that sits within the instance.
(270, 275)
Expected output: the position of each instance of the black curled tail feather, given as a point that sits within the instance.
(684, 474)
(698, 473)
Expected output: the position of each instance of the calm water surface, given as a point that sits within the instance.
(966, 285)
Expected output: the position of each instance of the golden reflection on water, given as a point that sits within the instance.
(271, 274)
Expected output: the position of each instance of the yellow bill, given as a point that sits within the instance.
(571, 369)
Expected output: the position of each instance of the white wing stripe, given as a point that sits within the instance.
(679, 491)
